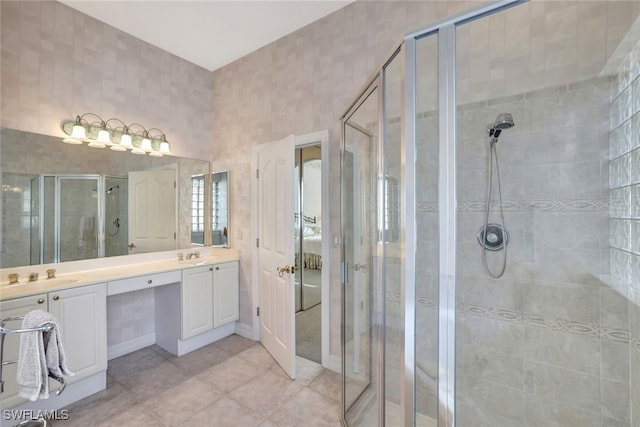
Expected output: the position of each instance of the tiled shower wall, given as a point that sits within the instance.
(625, 205)
(548, 343)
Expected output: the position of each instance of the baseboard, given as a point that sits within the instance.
(205, 338)
(244, 331)
(130, 346)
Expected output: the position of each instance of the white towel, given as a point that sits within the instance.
(40, 355)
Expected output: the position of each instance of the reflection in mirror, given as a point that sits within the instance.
(197, 209)
(65, 202)
(220, 209)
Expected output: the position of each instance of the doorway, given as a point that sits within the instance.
(308, 251)
(274, 261)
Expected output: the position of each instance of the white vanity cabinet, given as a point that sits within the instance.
(226, 293)
(197, 301)
(210, 297)
(15, 308)
(81, 315)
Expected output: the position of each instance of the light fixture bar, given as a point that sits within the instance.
(101, 133)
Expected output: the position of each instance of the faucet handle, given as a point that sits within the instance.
(13, 278)
(33, 277)
(51, 273)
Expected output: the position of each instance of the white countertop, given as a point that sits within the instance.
(107, 270)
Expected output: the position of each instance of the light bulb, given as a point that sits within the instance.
(145, 144)
(125, 141)
(164, 147)
(77, 135)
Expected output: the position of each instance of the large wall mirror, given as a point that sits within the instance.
(65, 202)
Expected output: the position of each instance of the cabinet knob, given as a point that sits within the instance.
(40, 300)
(56, 298)
(149, 281)
(210, 268)
(217, 268)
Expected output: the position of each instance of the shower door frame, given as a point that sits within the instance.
(447, 213)
(56, 212)
(447, 208)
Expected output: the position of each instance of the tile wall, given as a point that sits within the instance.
(299, 84)
(57, 63)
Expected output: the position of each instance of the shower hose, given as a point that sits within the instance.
(494, 154)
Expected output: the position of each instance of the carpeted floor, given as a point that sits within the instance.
(308, 338)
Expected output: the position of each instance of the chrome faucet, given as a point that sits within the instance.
(195, 255)
(33, 277)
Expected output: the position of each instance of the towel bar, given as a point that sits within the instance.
(41, 422)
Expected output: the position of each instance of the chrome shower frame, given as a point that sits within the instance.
(447, 193)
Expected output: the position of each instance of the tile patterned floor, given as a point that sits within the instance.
(233, 382)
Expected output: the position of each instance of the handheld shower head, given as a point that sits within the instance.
(503, 121)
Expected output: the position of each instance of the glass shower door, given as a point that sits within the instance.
(78, 217)
(360, 158)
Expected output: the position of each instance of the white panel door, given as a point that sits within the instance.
(275, 226)
(152, 211)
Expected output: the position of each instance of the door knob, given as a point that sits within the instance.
(285, 269)
(132, 245)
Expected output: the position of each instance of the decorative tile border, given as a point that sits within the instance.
(569, 326)
(579, 328)
(578, 205)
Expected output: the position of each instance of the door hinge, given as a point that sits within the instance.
(257, 173)
(257, 243)
(174, 184)
(174, 235)
(258, 311)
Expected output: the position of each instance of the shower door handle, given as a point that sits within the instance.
(360, 267)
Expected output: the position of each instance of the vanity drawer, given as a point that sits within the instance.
(143, 282)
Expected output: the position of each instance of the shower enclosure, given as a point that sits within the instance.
(76, 217)
(430, 337)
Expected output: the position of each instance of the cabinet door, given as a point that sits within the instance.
(197, 301)
(226, 297)
(15, 308)
(82, 317)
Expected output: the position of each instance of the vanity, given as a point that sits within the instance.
(196, 302)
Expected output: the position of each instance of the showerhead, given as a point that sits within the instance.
(503, 121)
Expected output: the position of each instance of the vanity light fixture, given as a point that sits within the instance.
(116, 135)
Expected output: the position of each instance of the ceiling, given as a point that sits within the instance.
(208, 33)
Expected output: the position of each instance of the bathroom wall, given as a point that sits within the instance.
(57, 63)
(299, 84)
(624, 183)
